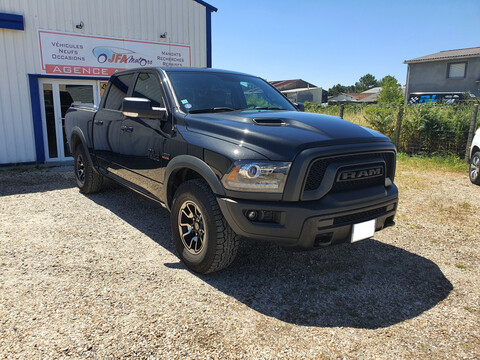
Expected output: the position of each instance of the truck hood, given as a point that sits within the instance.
(280, 135)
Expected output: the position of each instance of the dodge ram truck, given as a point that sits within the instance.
(230, 157)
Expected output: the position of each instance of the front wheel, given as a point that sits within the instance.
(475, 168)
(203, 239)
(88, 180)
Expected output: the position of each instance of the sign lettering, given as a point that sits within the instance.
(86, 55)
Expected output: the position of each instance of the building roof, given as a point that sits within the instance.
(208, 6)
(353, 98)
(447, 55)
(282, 82)
(291, 84)
(358, 96)
(371, 98)
(374, 90)
(300, 89)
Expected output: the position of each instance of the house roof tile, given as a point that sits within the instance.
(446, 55)
(357, 96)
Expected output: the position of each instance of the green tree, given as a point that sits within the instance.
(366, 82)
(387, 78)
(337, 89)
(391, 92)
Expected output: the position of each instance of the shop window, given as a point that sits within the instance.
(118, 91)
(457, 70)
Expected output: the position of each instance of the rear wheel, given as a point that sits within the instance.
(88, 180)
(475, 168)
(202, 237)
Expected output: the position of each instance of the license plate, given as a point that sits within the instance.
(363, 230)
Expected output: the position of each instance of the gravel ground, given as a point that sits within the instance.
(96, 277)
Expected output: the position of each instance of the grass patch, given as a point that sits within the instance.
(443, 163)
(352, 113)
(461, 266)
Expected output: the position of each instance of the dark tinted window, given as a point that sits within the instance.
(148, 87)
(118, 91)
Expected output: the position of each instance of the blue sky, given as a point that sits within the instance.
(329, 42)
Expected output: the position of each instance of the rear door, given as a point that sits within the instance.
(109, 146)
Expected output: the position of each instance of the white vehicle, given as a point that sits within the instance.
(475, 159)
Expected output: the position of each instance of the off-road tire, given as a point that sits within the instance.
(474, 172)
(88, 180)
(220, 243)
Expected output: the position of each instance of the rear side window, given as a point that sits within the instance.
(148, 87)
(118, 91)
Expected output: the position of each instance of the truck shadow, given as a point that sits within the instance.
(367, 285)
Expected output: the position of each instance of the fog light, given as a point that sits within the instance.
(252, 215)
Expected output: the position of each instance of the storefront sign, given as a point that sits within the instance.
(85, 55)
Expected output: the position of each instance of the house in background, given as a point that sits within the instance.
(299, 90)
(446, 75)
(369, 96)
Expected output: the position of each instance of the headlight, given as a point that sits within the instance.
(257, 176)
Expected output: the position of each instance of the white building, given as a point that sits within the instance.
(54, 52)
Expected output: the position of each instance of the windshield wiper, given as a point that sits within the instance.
(212, 110)
(268, 108)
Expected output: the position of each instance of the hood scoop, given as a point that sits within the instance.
(269, 122)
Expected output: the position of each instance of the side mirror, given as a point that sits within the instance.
(299, 106)
(142, 108)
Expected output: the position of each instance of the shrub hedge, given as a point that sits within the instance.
(431, 129)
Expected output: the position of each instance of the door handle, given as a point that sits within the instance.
(98, 122)
(126, 128)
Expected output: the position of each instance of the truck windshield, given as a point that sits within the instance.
(199, 92)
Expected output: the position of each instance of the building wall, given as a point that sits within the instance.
(432, 76)
(183, 20)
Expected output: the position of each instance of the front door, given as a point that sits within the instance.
(145, 137)
(56, 96)
(130, 149)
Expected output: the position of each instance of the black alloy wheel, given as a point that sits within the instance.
(203, 239)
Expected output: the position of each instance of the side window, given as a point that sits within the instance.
(148, 87)
(118, 91)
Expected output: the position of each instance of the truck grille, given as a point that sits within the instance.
(357, 184)
(319, 166)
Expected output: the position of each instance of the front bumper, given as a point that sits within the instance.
(308, 224)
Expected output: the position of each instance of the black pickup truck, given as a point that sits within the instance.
(230, 157)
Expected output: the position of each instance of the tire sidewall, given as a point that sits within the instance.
(80, 153)
(475, 180)
(198, 262)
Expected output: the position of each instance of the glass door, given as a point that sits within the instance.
(56, 96)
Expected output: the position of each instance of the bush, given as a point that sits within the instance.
(435, 129)
(382, 118)
(430, 129)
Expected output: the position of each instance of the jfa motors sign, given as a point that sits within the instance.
(84, 55)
